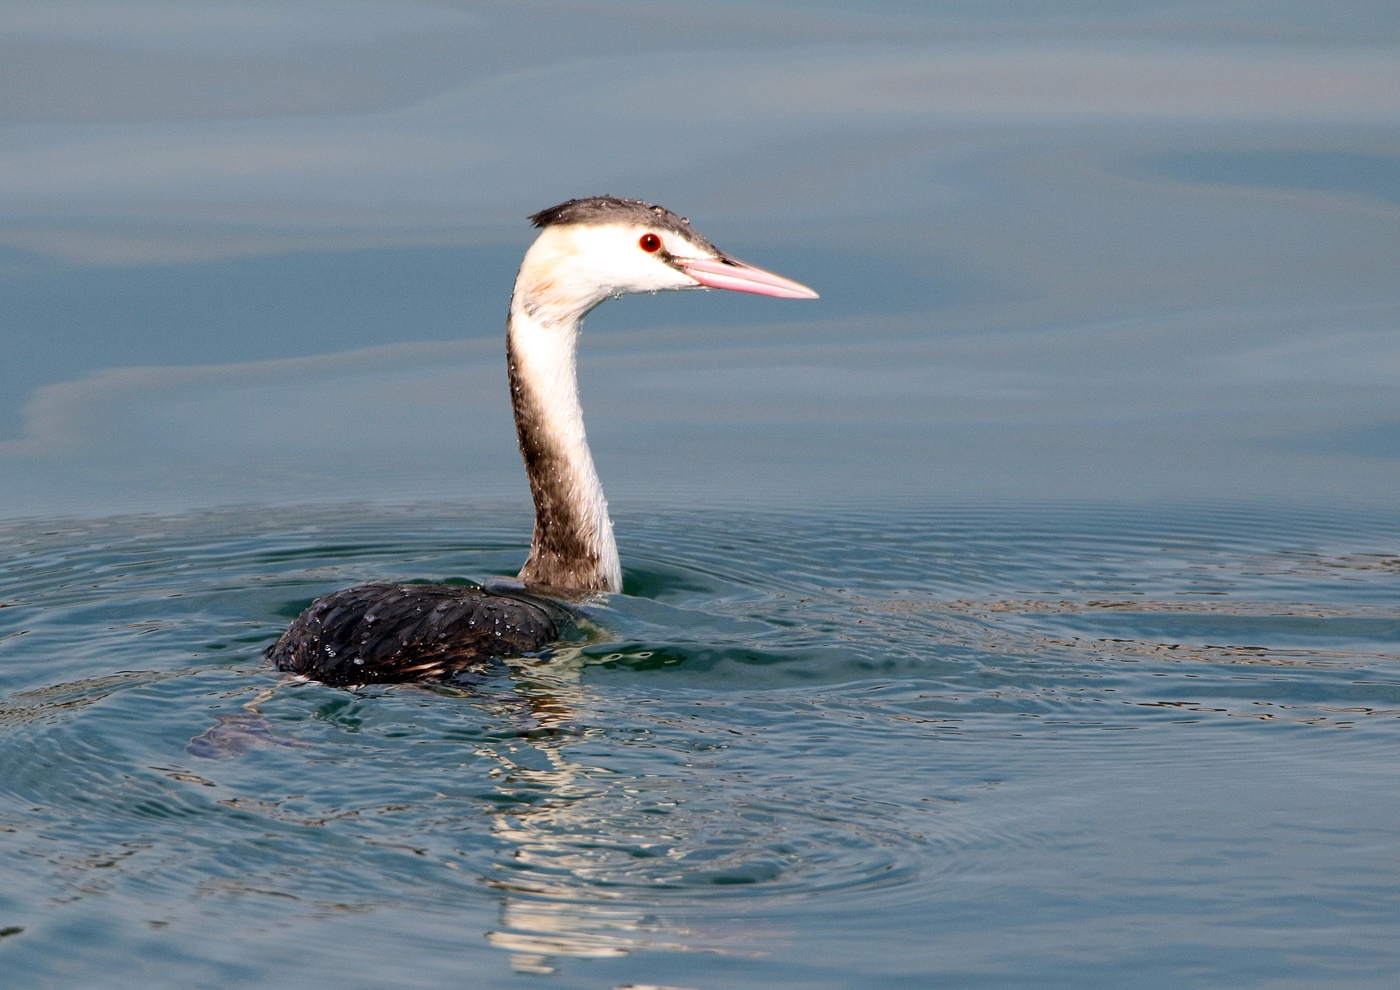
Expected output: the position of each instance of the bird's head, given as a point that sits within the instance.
(590, 249)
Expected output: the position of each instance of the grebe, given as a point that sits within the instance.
(587, 251)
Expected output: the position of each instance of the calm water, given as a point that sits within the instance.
(1025, 612)
(998, 747)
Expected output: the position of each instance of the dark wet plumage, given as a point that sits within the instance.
(379, 633)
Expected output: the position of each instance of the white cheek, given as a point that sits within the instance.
(665, 277)
(588, 264)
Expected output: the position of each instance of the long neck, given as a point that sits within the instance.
(573, 545)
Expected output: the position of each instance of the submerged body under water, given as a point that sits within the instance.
(997, 745)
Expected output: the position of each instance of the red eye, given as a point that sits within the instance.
(650, 243)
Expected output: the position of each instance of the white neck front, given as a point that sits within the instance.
(573, 545)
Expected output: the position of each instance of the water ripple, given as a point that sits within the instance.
(858, 708)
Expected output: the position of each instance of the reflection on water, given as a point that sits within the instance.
(804, 745)
(565, 829)
(1036, 680)
(595, 862)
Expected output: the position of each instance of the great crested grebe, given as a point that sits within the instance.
(587, 251)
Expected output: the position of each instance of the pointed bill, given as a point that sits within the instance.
(730, 273)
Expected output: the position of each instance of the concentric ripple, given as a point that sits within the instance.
(784, 718)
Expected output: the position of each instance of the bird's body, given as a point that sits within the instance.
(402, 632)
(587, 251)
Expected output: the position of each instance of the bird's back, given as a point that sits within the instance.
(402, 632)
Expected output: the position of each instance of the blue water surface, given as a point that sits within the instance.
(1023, 613)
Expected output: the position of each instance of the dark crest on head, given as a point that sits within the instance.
(602, 210)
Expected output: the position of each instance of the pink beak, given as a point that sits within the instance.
(729, 273)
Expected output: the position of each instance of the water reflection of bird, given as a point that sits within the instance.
(587, 250)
